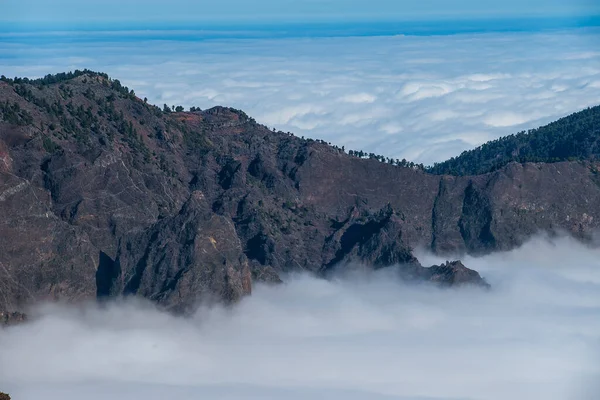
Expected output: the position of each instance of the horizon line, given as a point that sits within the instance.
(299, 29)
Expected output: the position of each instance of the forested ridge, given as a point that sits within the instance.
(575, 137)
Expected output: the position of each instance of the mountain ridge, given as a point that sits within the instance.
(106, 195)
(571, 138)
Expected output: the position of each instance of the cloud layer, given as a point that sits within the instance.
(536, 335)
(420, 98)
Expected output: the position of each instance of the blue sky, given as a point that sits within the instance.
(74, 12)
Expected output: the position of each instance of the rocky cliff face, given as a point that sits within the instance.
(179, 257)
(102, 194)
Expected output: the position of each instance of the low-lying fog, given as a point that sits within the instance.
(536, 335)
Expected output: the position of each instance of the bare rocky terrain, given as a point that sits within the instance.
(102, 195)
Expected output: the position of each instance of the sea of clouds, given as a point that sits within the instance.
(535, 335)
(423, 98)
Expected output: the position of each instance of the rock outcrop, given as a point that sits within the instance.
(11, 318)
(454, 274)
(192, 254)
(102, 194)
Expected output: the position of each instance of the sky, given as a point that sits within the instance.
(535, 335)
(75, 12)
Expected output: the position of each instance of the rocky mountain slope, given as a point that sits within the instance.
(102, 194)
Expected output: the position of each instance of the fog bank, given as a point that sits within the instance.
(536, 335)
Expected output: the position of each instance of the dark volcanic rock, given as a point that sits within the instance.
(194, 254)
(11, 318)
(368, 239)
(102, 195)
(454, 274)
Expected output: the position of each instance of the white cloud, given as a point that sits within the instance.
(414, 91)
(403, 96)
(536, 335)
(358, 98)
(506, 119)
